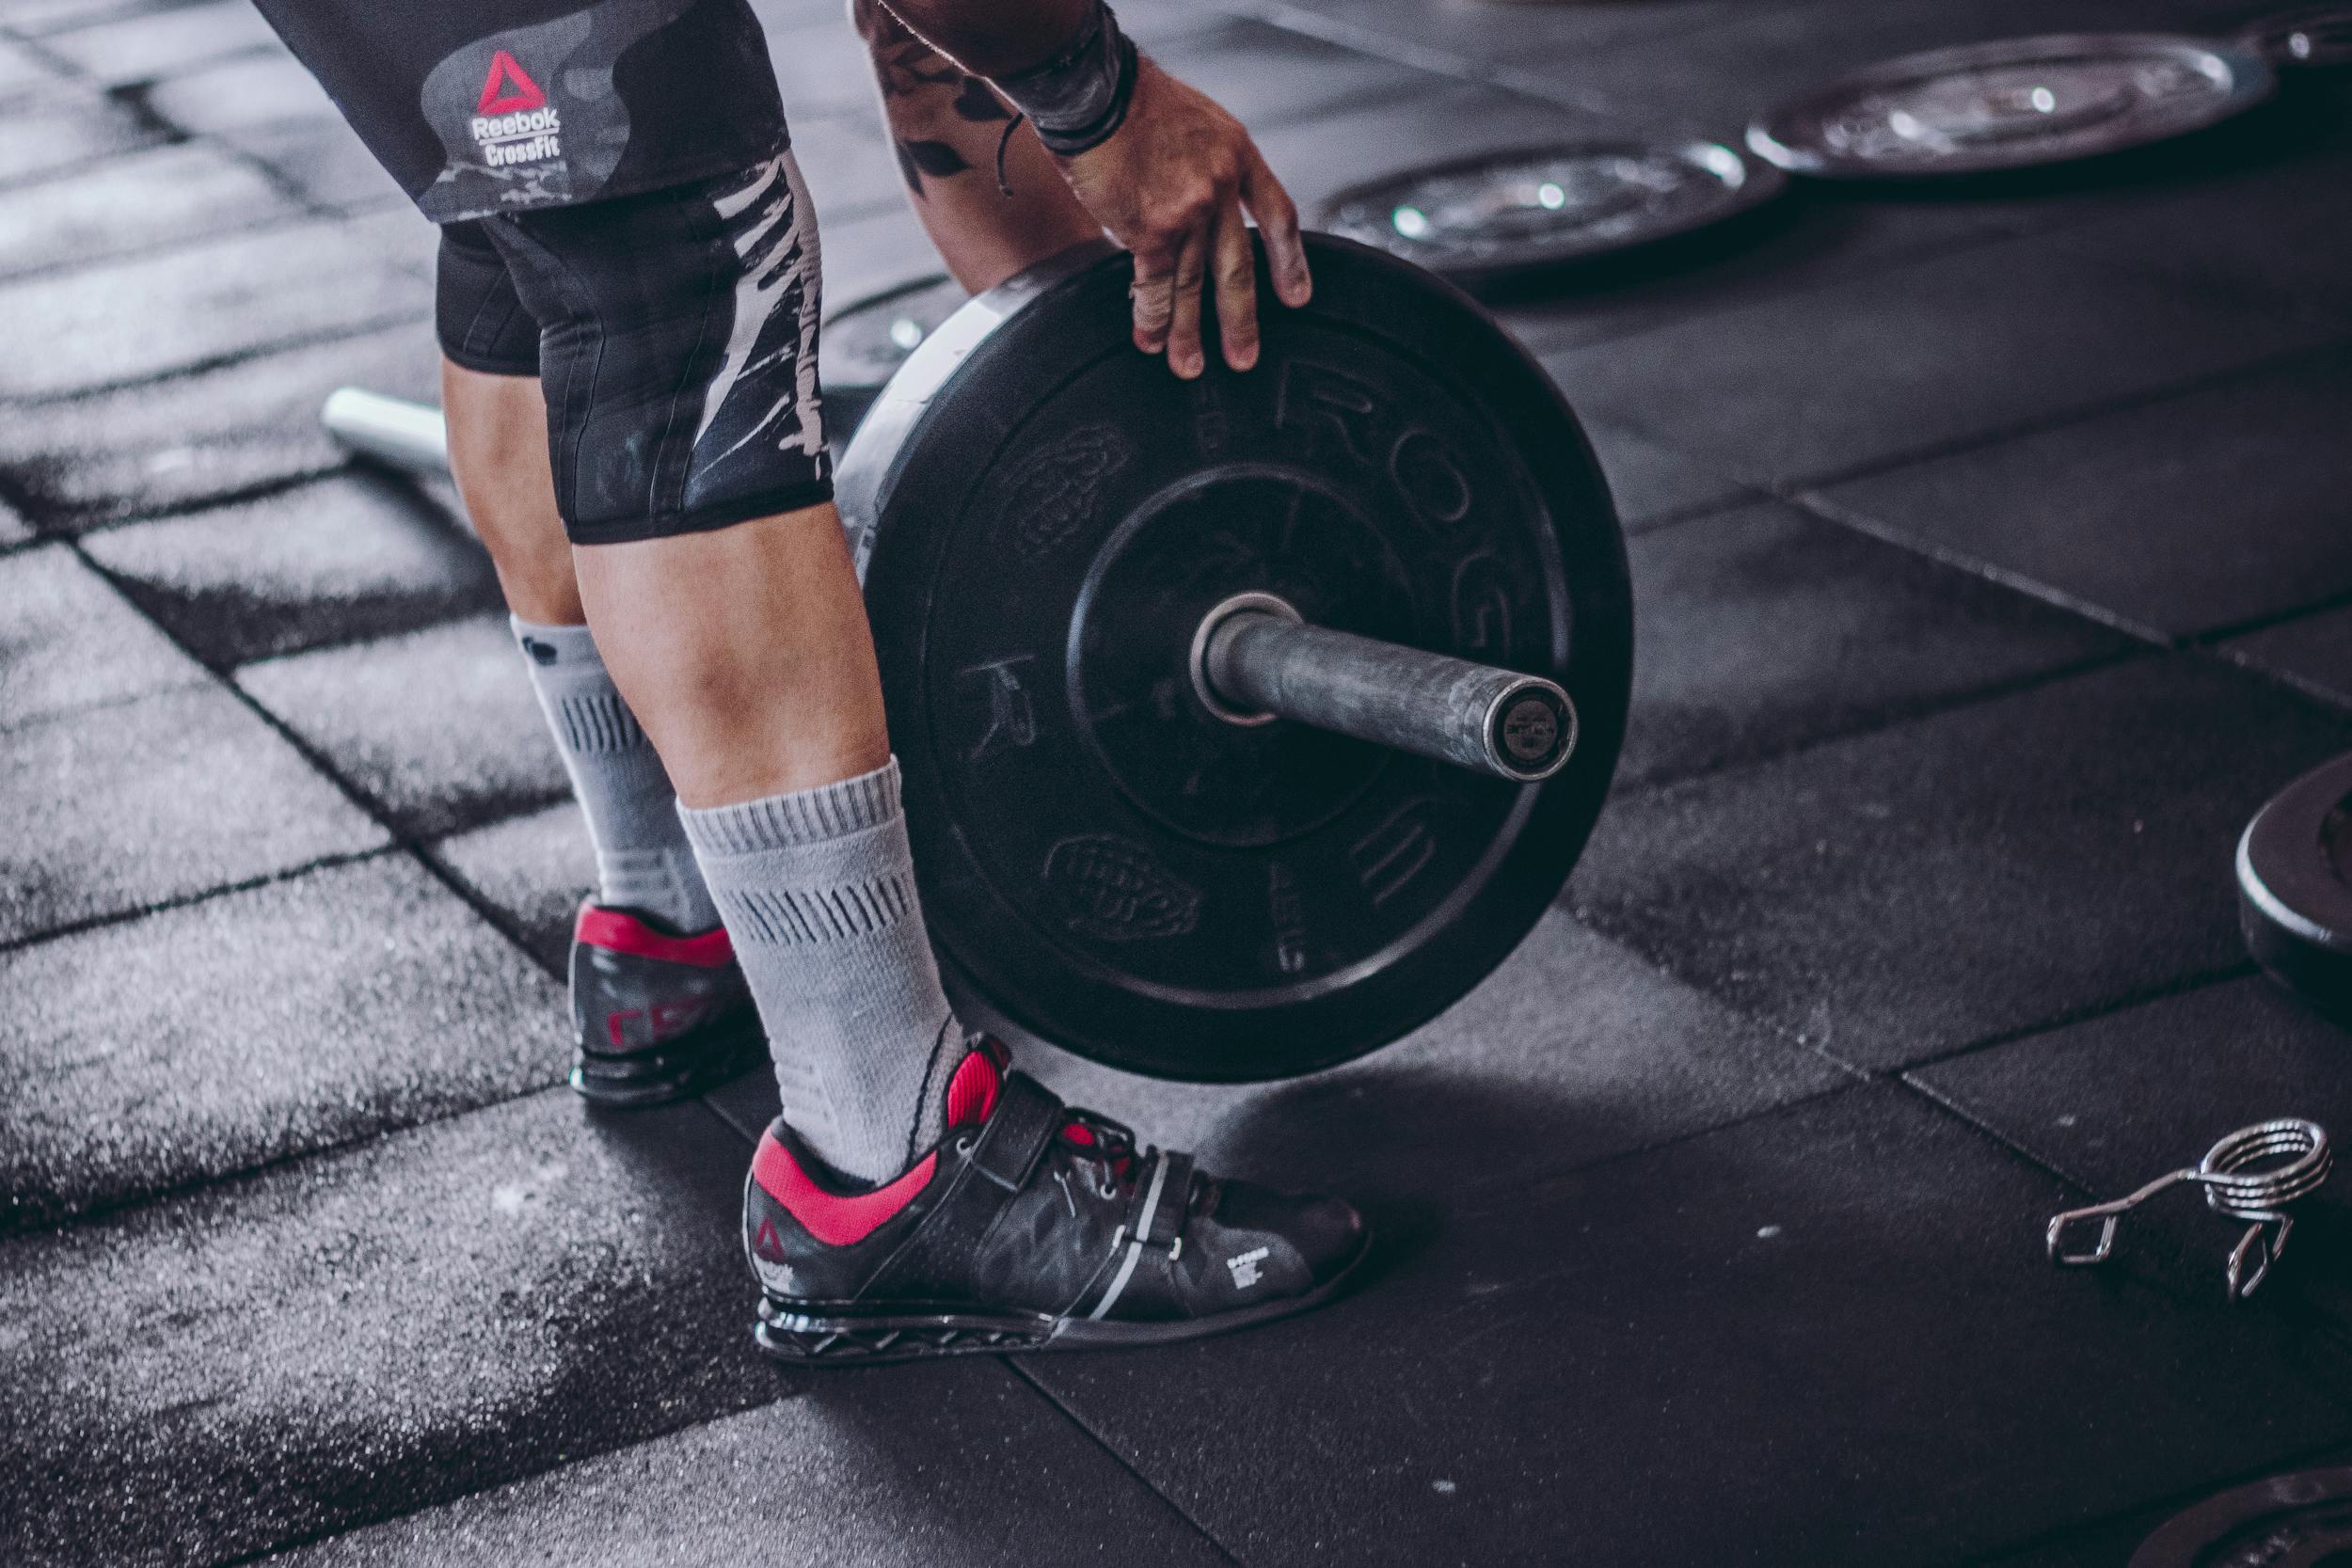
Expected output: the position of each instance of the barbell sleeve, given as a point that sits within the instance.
(411, 437)
(1259, 662)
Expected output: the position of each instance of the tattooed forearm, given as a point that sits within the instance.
(917, 84)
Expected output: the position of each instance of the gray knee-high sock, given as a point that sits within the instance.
(644, 860)
(817, 891)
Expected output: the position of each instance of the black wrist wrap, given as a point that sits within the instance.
(1078, 99)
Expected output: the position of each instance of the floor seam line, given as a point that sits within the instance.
(170, 906)
(402, 841)
(2083, 413)
(1055, 1402)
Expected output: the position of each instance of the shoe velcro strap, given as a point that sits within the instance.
(1005, 1153)
(1155, 1217)
(1168, 1219)
(1025, 1120)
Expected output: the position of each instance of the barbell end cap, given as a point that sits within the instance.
(1531, 730)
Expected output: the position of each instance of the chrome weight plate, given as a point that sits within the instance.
(2295, 886)
(1503, 214)
(2312, 36)
(866, 342)
(2292, 1521)
(2012, 104)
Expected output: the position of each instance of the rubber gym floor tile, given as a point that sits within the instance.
(881, 250)
(533, 869)
(2118, 1100)
(1833, 379)
(1653, 484)
(1900, 895)
(1713, 80)
(161, 43)
(1267, 76)
(1821, 1336)
(822, 67)
(782, 16)
(1800, 242)
(848, 161)
(197, 304)
(2231, 498)
(1766, 627)
(23, 72)
(332, 168)
(359, 1334)
(1159, 23)
(2260, 242)
(1573, 1050)
(403, 237)
(67, 641)
(352, 557)
(48, 132)
(2110, 1542)
(1473, 37)
(1316, 158)
(242, 94)
(336, 1005)
(438, 727)
(33, 18)
(2314, 652)
(194, 439)
(160, 197)
(117, 809)
(37, 18)
(2109, 1545)
(962, 1464)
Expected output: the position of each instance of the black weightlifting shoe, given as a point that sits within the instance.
(655, 1016)
(1031, 1227)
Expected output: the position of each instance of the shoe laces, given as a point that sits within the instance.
(1109, 1146)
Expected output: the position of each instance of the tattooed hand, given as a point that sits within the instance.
(1171, 185)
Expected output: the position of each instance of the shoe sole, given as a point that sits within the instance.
(626, 1083)
(827, 1333)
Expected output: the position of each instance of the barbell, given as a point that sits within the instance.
(1246, 723)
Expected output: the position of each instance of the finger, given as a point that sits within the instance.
(1278, 221)
(1237, 289)
(1183, 325)
(1152, 296)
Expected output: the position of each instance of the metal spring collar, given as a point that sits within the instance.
(2257, 1196)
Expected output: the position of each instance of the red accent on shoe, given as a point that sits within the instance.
(972, 1091)
(833, 1218)
(1078, 1133)
(617, 931)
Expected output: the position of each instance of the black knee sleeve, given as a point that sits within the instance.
(679, 353)
(481, 322)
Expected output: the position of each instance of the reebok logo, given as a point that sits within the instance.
(1245, 1267)
(515, 123)
(766, 1243)
(508, 88)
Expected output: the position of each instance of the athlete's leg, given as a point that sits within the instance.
(746, 651)
(690, 470)
(496, 414)
(498, 454)
(949, 129)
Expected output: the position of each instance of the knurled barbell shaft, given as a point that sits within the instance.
(1515, 727)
